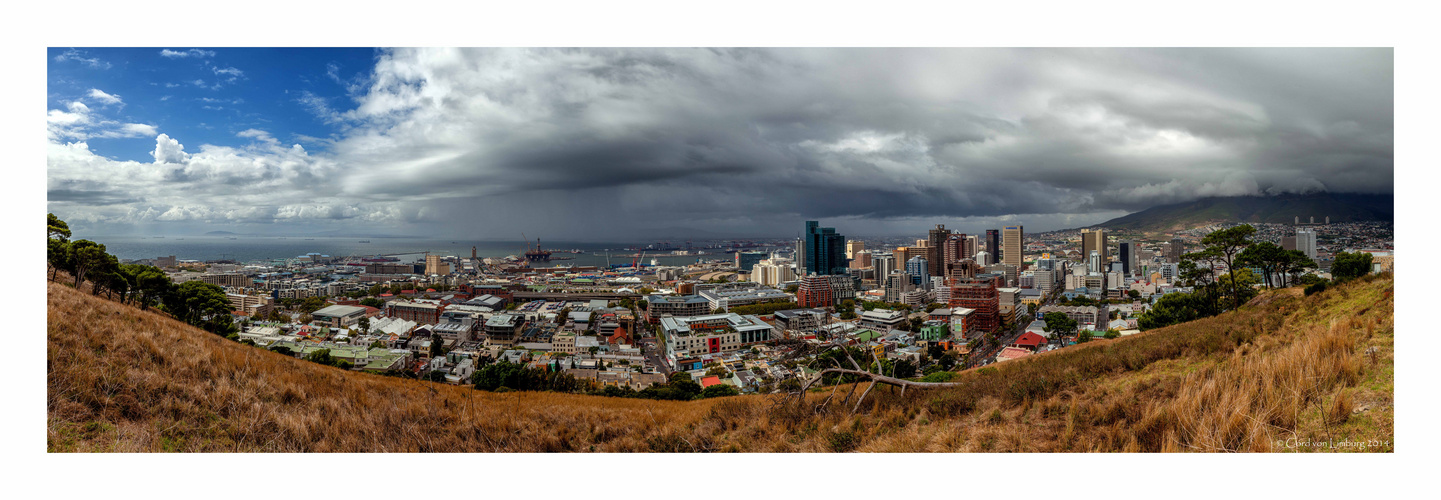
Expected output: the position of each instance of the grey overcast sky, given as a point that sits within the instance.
(600, 144)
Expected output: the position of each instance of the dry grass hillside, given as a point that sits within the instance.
(1283, 371)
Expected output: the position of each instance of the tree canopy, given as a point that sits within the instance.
(1350, 265)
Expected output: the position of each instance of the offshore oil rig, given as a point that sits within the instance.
(535, 254)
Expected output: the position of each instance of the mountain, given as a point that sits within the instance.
(1280, 209)
(1284, 368)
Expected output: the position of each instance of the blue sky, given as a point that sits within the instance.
(608, 144)
(208, 95)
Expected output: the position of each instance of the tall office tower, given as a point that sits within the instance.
(1094, 240)
(800, 255)
(953, 251)
(861, 259)
(971, 249)
(1176, 250)
(1306, 241)
(1128, 256)
(1093, 262)
(825, 250)
(984, 258)
(1046, 263)
(993, 243)
(920, 271)
(472, 253)
(854, 246)
(935, 249)
(1014, 252)
(903, 254)
(885, 264)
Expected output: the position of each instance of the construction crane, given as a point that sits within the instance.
(635, 264)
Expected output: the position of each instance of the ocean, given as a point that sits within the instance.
(268, 248)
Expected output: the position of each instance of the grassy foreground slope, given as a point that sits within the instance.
(1284, 373)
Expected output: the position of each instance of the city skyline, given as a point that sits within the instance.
(729, 143)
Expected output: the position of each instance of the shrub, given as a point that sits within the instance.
(1318, 287)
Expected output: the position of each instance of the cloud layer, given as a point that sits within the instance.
(753, 140)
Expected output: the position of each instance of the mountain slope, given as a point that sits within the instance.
(1281, 209)
(1285, 367)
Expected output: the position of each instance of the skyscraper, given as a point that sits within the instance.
(903, 254)
(854, 246)
(825, 250)
(1094, 240)
(1128, 257)
(971, 249)
(885, 264)
(919, 270)
(1015, 246)
(993, 244)
(1176, 250)
(861, 259)
(800, 255)
(953, 251)
(1306, 241)
(935, 249)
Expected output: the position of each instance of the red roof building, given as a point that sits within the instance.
(709, 381)
(1029, 340)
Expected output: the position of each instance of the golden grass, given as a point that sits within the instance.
(1283, 369)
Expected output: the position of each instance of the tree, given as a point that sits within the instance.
(1173, 308)
(1134, 294)
(1245, 282)
(312, 304)
(437, 345)
(84, 255)
(903, 369)
(1084, 337)
(373, 302)
(201, 304)
(1294, 263)
(364, 325)
(719, 390)
(1264, 255)
(1060, 324)
(1350, 265)
(1112, 333)
(57, 229)
(1226, 244)
(148, 282)
(57, 253)
(321, 356)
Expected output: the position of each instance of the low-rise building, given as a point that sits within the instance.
(339, 316)
(882, 319)
(501, 329)
(713, 333)
(658, 306)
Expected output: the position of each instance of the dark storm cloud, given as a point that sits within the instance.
(760, 137)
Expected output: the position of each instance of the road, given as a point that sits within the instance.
(651, 348)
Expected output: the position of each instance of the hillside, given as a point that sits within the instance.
(1307, 369)
(1282, 209)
